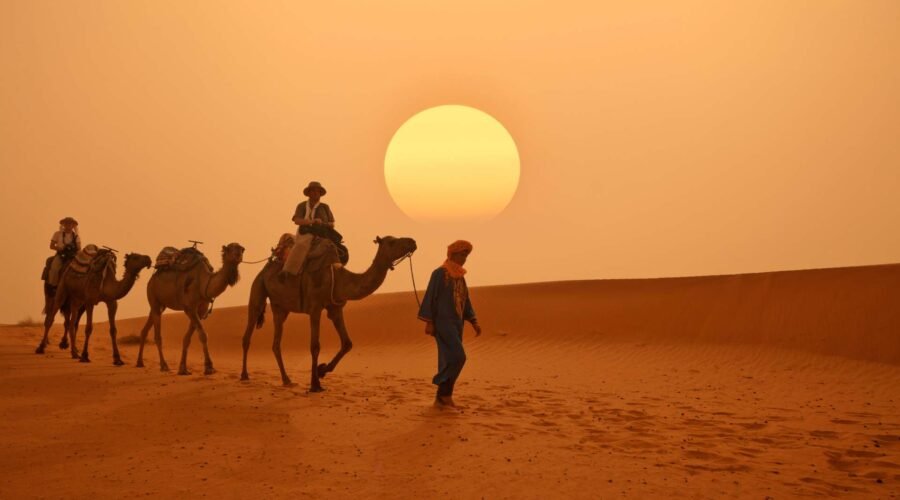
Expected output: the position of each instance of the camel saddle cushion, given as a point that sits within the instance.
(166, 258)
(328, 233)
(82, 261)
(180, 260)
(285, 243)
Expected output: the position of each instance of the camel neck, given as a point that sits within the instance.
(353, 286)
(119, 288)
(226, 276)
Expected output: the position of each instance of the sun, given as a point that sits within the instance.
(451, 163)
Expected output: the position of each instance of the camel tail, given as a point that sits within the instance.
(258, 298)
(60, 299)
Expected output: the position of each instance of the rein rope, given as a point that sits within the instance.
(411, 274)
(212, 301)
(255, 261)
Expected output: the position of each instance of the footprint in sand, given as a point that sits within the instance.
(705, 455)
(830, 489)
(636, 444)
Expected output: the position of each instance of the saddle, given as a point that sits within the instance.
(103, 261)
(172, 259)
(166, 258)
(82, 262)
(281, 250)
(322, 252)
(91, 260)
(330, 234)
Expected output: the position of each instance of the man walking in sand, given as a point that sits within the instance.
(445, 309)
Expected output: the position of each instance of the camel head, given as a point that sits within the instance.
(392, 249)
(232, 253)
(134, 262)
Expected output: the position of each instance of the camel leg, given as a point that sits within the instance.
(207, 361)
(279, 315)
(67, 319)
(64, 341)
(315, 317)
(157, 337)
(144, 331)
(49, 313)
(74, 312)
(256, 310)
(111, 308)
(67, 326)
(52, 311)
(252, 315)
(182, 366)
(88, 330)
(336, 314)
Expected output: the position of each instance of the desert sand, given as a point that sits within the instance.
(765, 385)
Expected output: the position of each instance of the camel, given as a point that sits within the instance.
(49, 294)
(327, 287)
(79, 292)
(192, 290)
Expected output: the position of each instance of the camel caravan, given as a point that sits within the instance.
(305, 274)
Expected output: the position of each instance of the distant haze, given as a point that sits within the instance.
(655, 138)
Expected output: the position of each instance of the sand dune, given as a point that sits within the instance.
(852, 312)
(778, 384)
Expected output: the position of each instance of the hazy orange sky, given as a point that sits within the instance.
(656, 138)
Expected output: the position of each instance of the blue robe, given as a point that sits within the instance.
(447, 305)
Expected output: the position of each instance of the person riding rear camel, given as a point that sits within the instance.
(309, 212)
(67, 243)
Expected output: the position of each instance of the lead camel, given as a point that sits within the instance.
(323, 287)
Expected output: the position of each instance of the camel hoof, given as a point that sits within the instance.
(183, 371)
(118, 362)
(322, 369)
(209, 371)
(63, 345)
(317, 389)
(140, 364)
(84, 359)
(40, 349)
(75, 355)
(245, 377)
(288, 383)
(164, 369)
